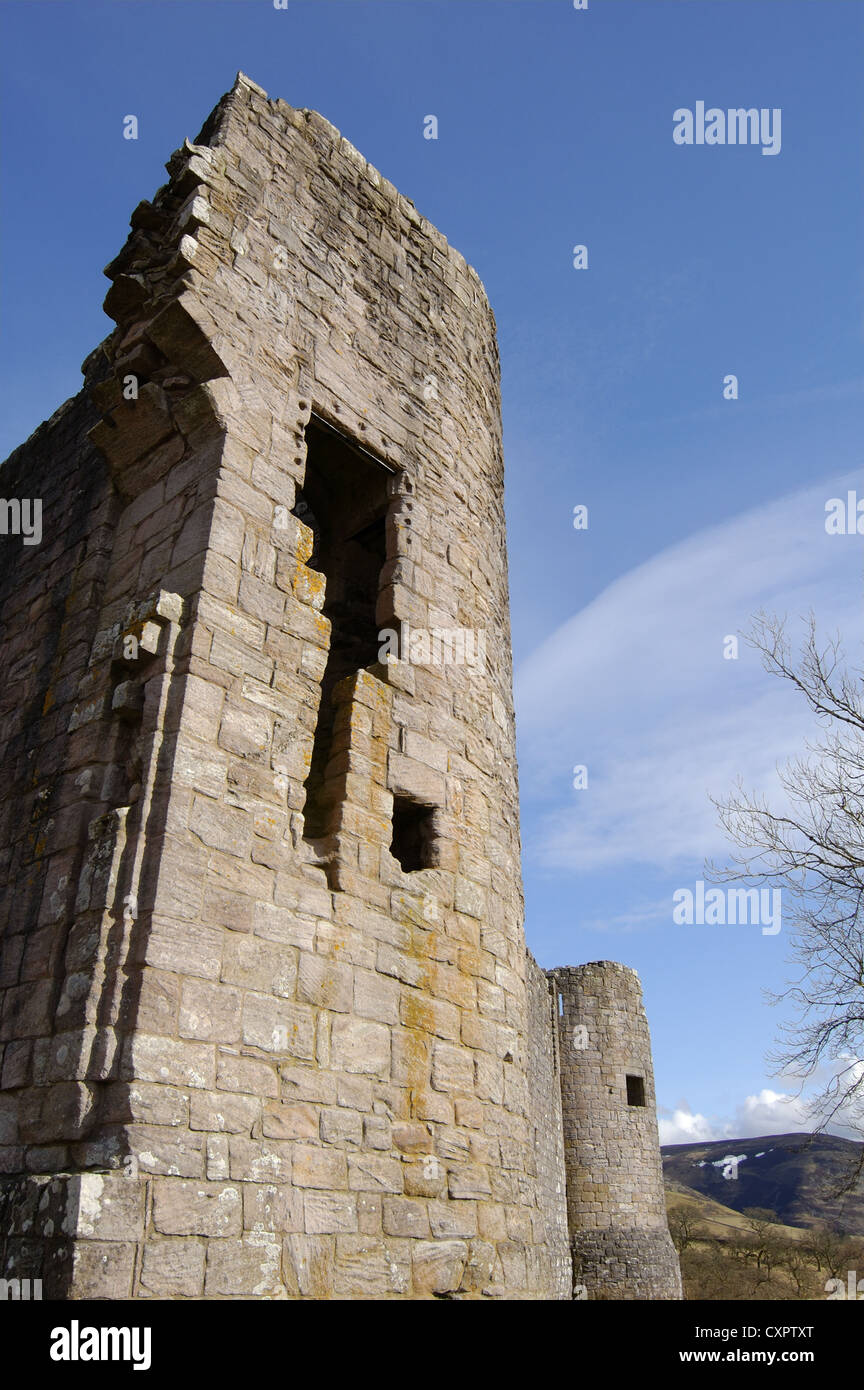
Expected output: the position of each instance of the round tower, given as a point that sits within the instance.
(619, 1235)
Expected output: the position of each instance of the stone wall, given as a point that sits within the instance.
(544, 1111)
(50, 596)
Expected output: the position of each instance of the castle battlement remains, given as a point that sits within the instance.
(268, 1027)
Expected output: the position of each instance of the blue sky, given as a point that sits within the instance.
(555, 129)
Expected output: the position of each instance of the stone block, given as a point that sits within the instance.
(405, 1216)
(468, 1181)
(173, 1267)
(223, 1113)
(248, 1268)
(210, 1012)
(150, 1058)
(452, 1068)
(266, 1160)
(283, 1120)
(308, 1263)
(272, 1207)
(366, 1268)
(360, 1045)
(262, 966)
(196, 1209)
(437, 1266)
(275, 1025)
(374, 1173)
(448, 1219)
(327, 1213)
(324, 982)
(245, 1074)
(319, 1168)
(341, 1126)
(102, 1270)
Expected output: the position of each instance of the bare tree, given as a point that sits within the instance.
(684, 1229)
(741, 1247)
(814, 851)
(795, 1261)
(832, 1250)
(762, 1227)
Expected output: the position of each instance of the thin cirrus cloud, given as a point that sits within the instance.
(636, 688)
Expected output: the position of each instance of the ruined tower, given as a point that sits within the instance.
(616, 1212)
(268, 1027)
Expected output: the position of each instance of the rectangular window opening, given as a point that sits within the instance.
(344, 503)
(413, 834)
(635, 1090)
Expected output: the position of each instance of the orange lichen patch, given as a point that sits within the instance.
(48, 701)
(417, 1023)
(418, 1012)
(305, 542)
(409, 911)
(473, 961)
(368, 690)
(415, 1042)
(358, 719)
(429, 977)
(309, 586)
(367, 827)
(378, 752)
(328, 943)
(445, 982)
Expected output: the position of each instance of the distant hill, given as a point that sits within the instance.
(716, 1221)
(796, 1176)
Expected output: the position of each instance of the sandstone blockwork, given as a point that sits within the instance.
(268, 1026)
(616, 1211)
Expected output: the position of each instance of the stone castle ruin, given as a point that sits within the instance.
(268, 1027)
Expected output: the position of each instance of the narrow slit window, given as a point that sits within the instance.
(635, 1090)
(344, 503)
(413, 834)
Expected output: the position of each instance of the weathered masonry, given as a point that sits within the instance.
(268, 1026)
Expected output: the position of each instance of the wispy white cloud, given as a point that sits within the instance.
(636, 688)
(766, 1112)
(648, 913)
(682, 1126)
